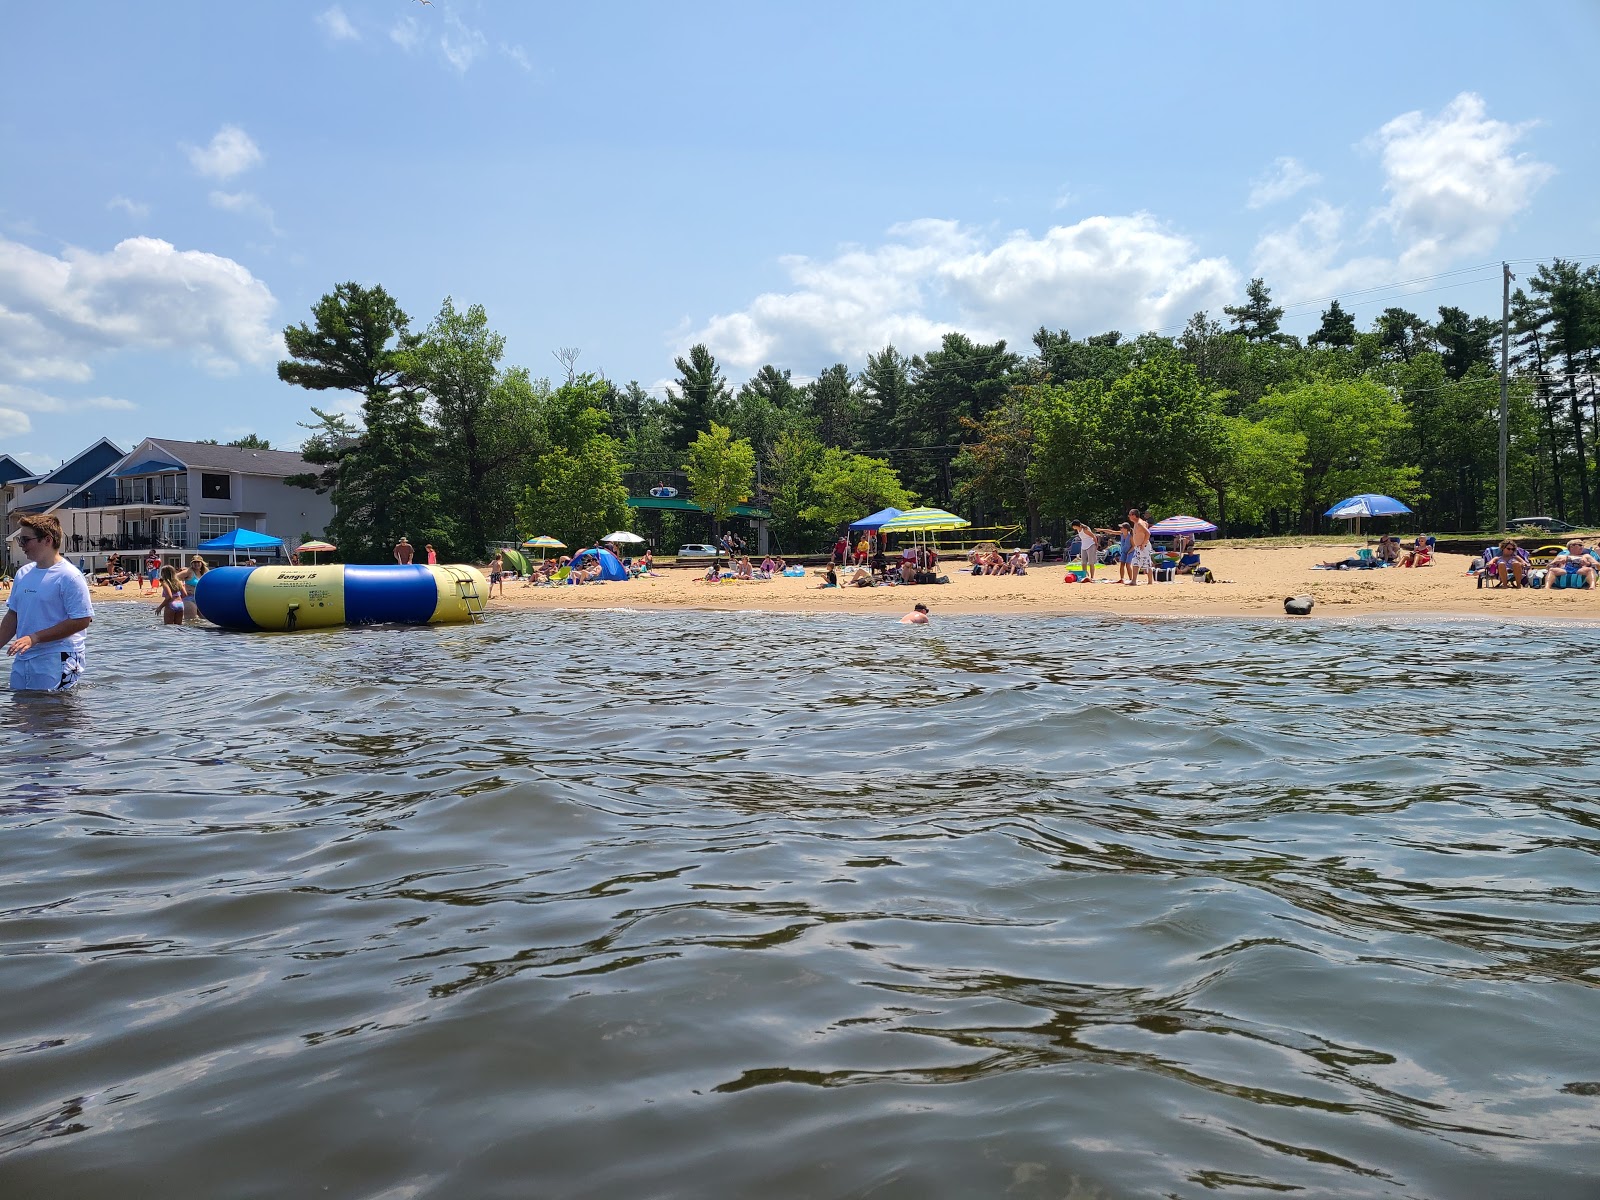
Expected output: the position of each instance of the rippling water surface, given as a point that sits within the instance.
(627, 904)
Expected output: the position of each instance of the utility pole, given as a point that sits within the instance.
(1505, 380)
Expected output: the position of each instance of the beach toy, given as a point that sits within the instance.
(290, 598)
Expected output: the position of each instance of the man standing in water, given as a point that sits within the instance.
(46, 614)
(403, 550)
(1141, 557)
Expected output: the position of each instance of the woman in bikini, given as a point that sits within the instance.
(172, 605)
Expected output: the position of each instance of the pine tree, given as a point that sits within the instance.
(1338, 328)
(1257, 318)
(701, 397)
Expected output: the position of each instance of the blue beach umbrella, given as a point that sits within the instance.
(1368, 504)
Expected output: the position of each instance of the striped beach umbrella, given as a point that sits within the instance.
(1182, 524)
(923, 520)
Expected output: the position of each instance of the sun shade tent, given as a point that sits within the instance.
(875, 521)
(236, 540)
(611, 567)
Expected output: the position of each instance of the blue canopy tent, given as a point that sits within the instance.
(876, 521)
(236, 540)
(611, 568)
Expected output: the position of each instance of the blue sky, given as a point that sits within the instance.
(793, 184)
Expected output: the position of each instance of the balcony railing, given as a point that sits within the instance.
(78, 543)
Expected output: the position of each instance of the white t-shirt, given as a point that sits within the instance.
(42, 597)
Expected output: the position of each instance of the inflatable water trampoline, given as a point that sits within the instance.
(290, 598)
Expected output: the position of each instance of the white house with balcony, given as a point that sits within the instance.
(169, 496)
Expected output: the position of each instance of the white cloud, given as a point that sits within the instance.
(517, 55)
(406, 33)
(1454, 182)
(29, 399)
(245, 204)
(1285, 178)
(934, 276)
(230, 153)
(56, 313)
(14, 423)
(337, 26)
(132, 207)
(461, 45)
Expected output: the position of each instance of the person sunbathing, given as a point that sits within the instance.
(1573, 563)
(1420, 554)
(1509, 565)
(861, 577)
(1388, 549)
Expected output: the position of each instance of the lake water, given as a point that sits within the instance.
(623, 904)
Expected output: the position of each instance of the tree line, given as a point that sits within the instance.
(1233, 420)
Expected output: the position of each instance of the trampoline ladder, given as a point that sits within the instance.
(467, 589)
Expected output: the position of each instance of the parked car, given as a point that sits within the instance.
(698, 550)
(1549, 524)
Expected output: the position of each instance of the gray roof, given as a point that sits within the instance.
(206, 457)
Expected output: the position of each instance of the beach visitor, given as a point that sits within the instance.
(497, 574)
(840, 549)
(190, 577)
(433, 556)
(917, 616)
(1088, 547)
(171, 605)
(152, 570)
(1511, 565)
(830, 578)
(1388, 549)
(403, 551)
(863, 551)
(1574, 563)
(1140, 557)
(47, 612)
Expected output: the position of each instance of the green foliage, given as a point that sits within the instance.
(700, 398)
(352, 345)
(1353, 432)
(1338, 328)
(846, 487)
(791, 470)
(455, 364)
(1256, 320)
(579, 495)
(721, 471)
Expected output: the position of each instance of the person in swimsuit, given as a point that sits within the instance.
(1574, 561)
(497, 574)
(1140, 557)
(171, 606)
(917, 616)
(190, 578)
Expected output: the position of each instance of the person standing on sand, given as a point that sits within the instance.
(46, 613)
(403, 551)
(1088, 549)
(1141, 558)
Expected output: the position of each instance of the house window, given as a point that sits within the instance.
(215, 527)
(175, 531)
(215, 487)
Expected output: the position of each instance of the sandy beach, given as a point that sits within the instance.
(1250, 583)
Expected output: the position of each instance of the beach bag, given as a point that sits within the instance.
(1203, 574)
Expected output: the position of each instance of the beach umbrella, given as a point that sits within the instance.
(1182, 524)
(541, 544)
(315, 548)
(622, 535)
(923, 520)
(1368, 504)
